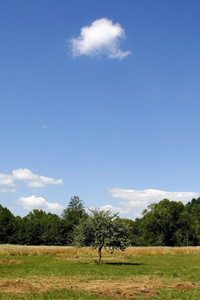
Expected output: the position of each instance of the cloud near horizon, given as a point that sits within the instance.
(135, 201)
(33, 202)
(30, 179)
(101, 37)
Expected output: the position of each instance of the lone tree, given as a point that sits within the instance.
(102, 229)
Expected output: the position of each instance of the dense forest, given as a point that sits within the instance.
(167, 223)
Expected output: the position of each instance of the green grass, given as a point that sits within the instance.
(59, 295)
(168, 268)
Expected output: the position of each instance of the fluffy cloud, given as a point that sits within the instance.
(135, 201)
(6, 179)
(31, 179)
(33, 202)
(101, 37)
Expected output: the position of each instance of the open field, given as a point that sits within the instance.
(41, 272)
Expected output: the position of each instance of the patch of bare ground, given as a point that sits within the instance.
(143, 286)
(130, 289)
(9, 261)
(18, 286)
(120, 290)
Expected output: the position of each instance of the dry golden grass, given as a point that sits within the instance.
(84, 252)
(43, 250)
(134, 251)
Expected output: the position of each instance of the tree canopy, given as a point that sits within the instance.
(102, 229)
(72, 215)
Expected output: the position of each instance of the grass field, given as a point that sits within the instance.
(31, 272)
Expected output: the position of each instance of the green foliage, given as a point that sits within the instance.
(53, 230)
(75, 211)
(167, 223)
(160, 223)
(8, 226)
(31, 229)
(102, 230)
(71, 217)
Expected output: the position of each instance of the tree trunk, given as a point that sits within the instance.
(99, 252)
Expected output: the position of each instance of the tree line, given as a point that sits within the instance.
(167, 223)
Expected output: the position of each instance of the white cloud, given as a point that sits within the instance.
(49, 180)
(114, 209)
(23, 174)
(4, 190)
(33, 180)
(30, 179)
(135, 201)
(33, 202)
(6, 179)
(101, 37)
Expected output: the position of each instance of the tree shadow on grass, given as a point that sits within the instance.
(123, 263)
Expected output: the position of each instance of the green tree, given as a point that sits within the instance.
(160, 223)
(32, 228)
(52, 230)
(74, 211)
(185, 235)
(71, 217)
(134, 232)
(8, 226)
(102, 229)
(193, 208)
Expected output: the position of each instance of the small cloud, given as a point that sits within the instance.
(110, 208)
(44, 126)
(33, 180)
(7, 190)
(101, 37)
(6, 179)
(135, 201)
(33, 202)
(49, 180)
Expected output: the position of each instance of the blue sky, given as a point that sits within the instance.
(99, 99)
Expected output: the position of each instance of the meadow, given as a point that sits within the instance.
(50, 272)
